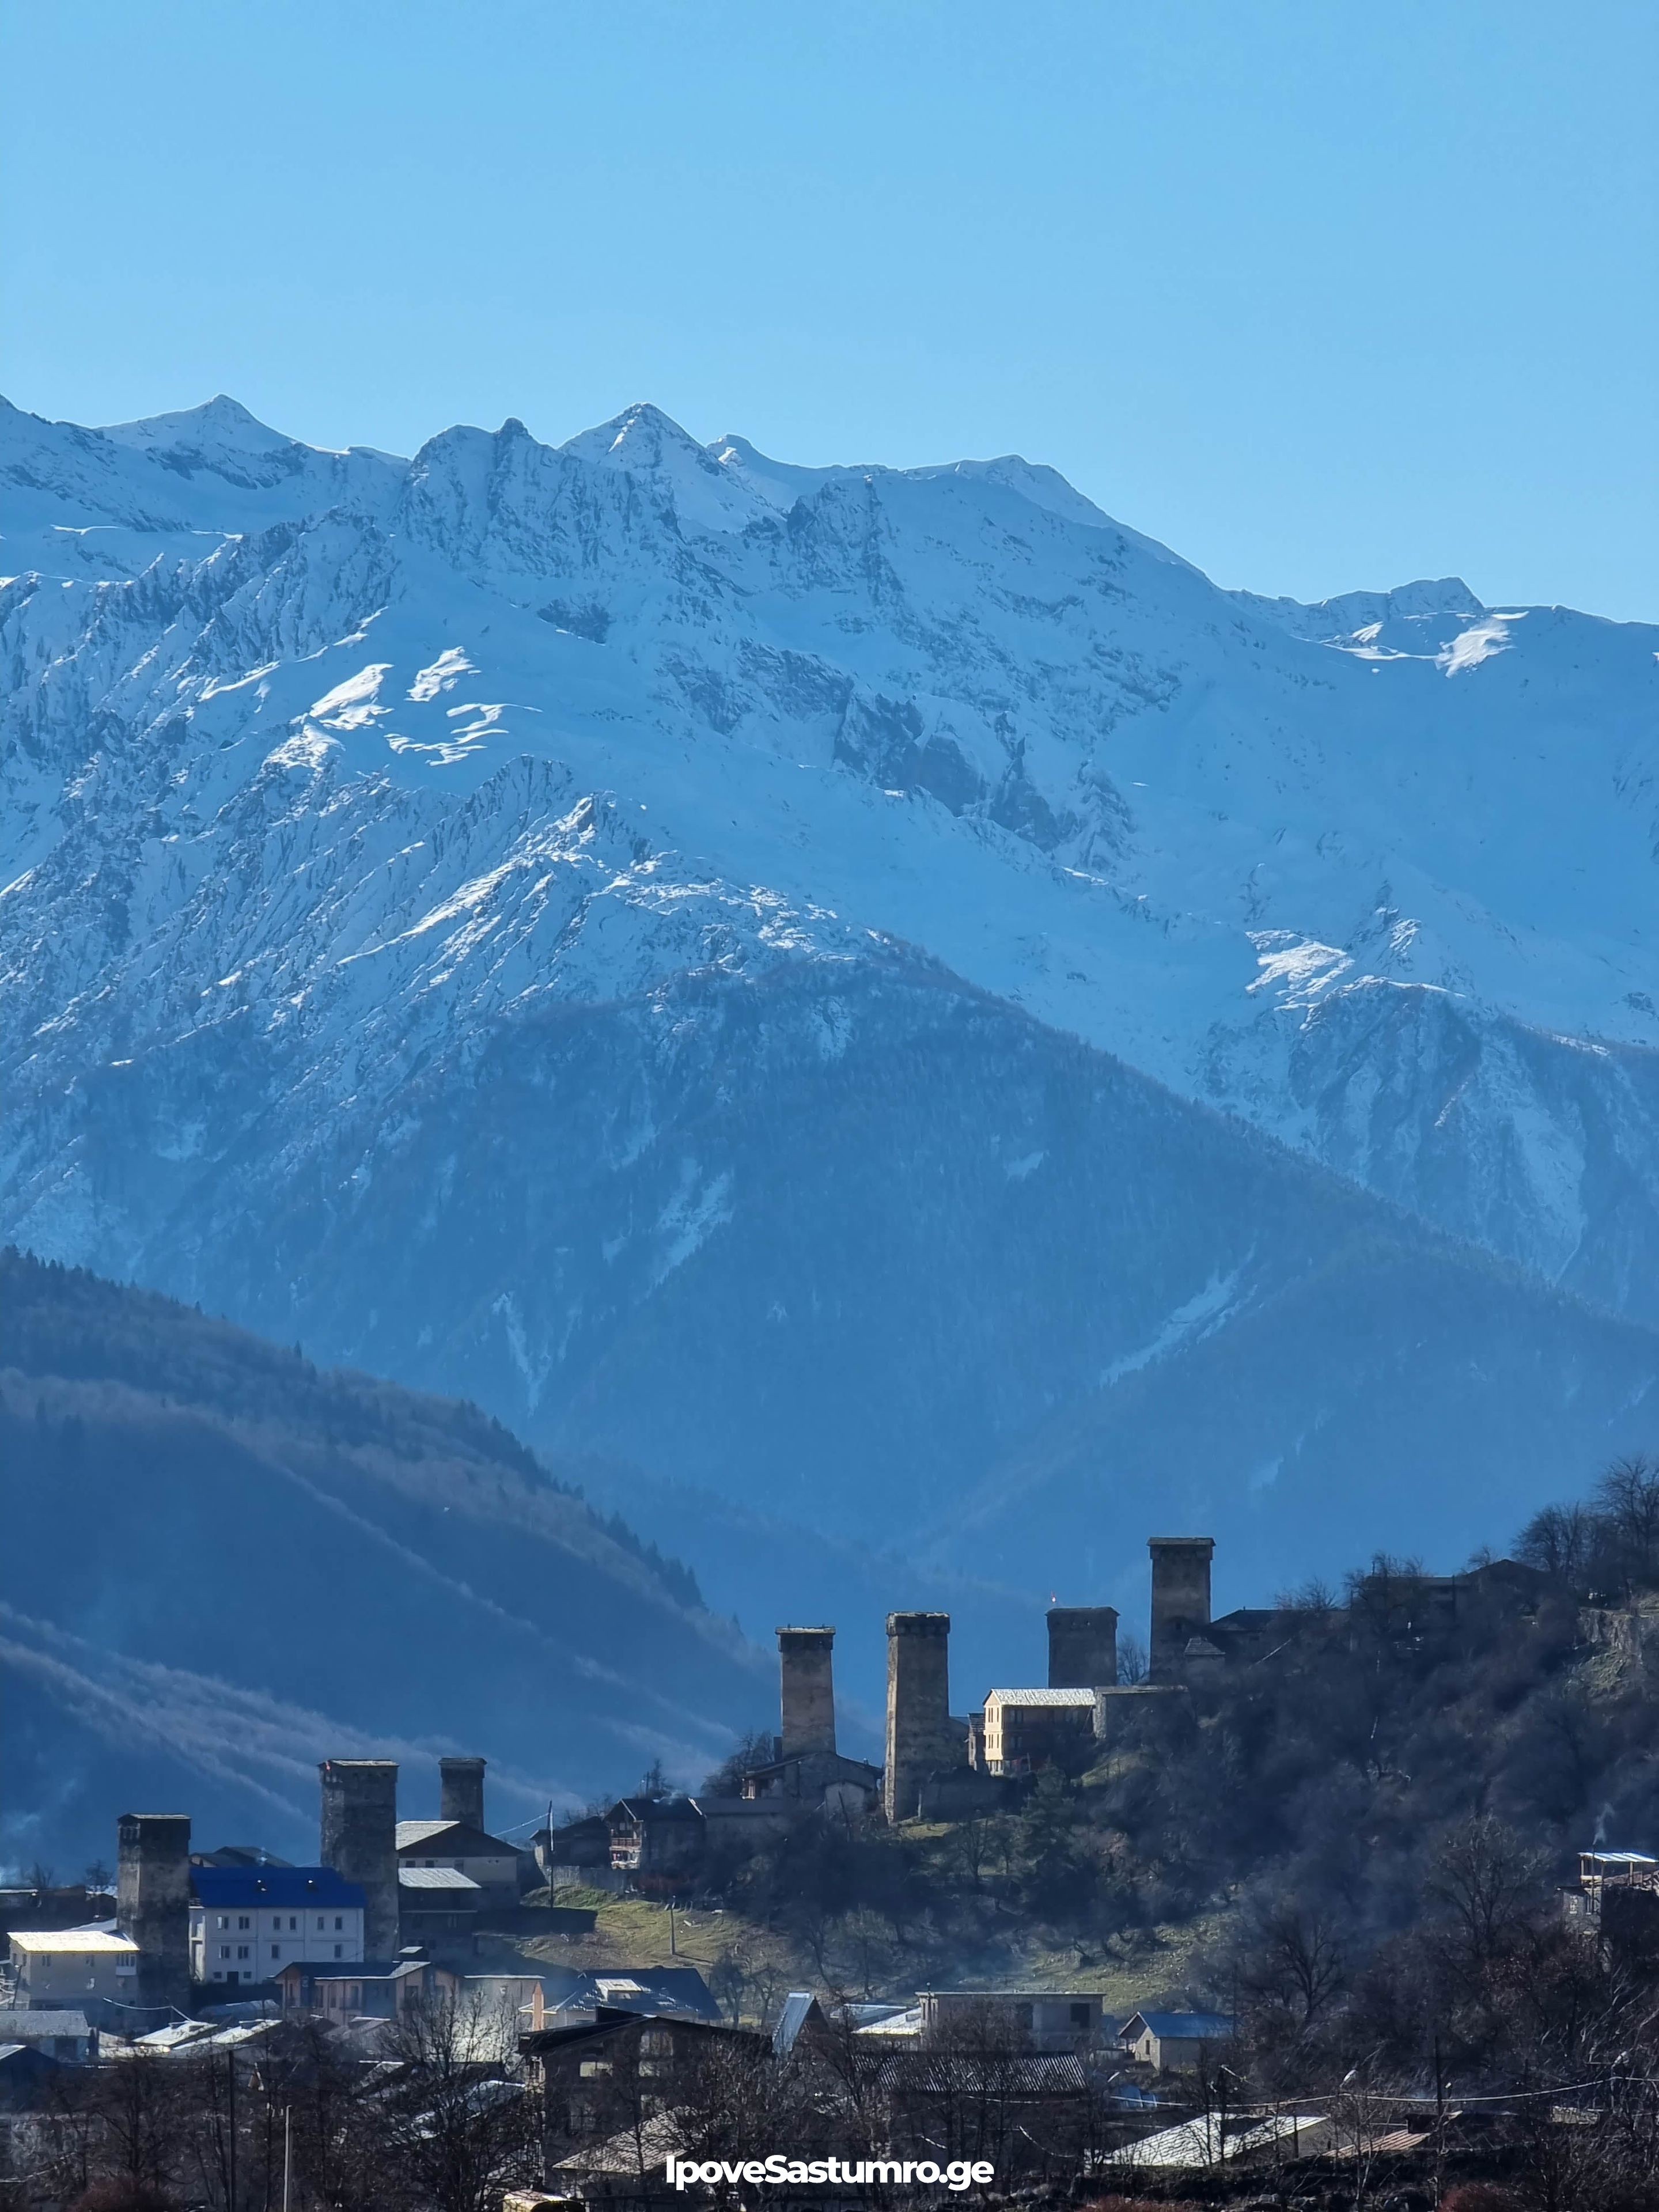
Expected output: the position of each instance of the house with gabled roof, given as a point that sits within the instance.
(489, 1861)
(1175, 2042)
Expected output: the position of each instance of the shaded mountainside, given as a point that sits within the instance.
(222, 1565)
(854, 1248)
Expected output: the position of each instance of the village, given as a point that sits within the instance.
(600, 2071)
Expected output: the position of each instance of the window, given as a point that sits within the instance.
(1080, 2016)
(339, 1920)
(320, 1923)
(242, 1920)
(339, 1950)
(224, 1950)
(241, 1950)
(275, 1950)
(293, 1920)
(224, 1920)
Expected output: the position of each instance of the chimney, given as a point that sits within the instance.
(461, 1784)
(360, 1841)
(1082, 1647)
(918, 1705)
(152, 1901)
(1180, 1600)
(807, 1691)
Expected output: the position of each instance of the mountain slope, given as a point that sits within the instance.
(222, 1565)
(494, 915)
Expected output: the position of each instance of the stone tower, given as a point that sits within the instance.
(152, 1901)
(461, 1783)
(1082, 1647)
(918, 1705)
(807, 1690)
(360, 1841)
(1180, 1600)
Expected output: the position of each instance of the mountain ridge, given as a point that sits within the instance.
(510, 759)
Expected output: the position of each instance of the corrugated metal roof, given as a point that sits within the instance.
(1193, 2027)
(1201, 2142)
(655, 1809)
(416, 1831)
(461, 1840)
(445, 1878)
(82, 1942)
(1067, 1698)
(899, 2025)
(797, 2011)
(21, 2026)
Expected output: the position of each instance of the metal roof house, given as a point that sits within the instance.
(437, 1901)
(59, 2034)
(247, 1922)
(1023, 1728)
(489, 1860)
(1174, 2042)
(381, 1989)
(63, 1966)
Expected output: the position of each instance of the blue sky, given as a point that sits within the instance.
(1324, 295)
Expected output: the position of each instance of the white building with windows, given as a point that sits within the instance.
(247, 1923)
(66, 1965)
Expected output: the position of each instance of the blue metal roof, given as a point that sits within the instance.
(268, 1888)
(1192, 2026)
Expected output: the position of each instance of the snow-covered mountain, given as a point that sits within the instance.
(735, 966)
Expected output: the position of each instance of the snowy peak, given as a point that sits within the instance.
(1420, 620)
(778, 483)
(643, 441)
(104, 504)
(220, 425)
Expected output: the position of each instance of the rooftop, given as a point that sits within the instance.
(458, 1838)
(653, 1808)
(1078, 1698)
(223, 1886)
(22, 2026)
(1191, 2026)
(365, 1970)
(78, 1943)
(448, 1879)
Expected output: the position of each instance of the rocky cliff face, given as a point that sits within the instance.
(736, 965)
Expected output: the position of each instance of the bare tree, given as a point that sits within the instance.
(137, 2107)
(1557, 1540)
(456, 2124)
(1489, 1883)
(1292, 1962)
(1626, 1512)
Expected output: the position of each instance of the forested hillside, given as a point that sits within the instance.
(222, 1565)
